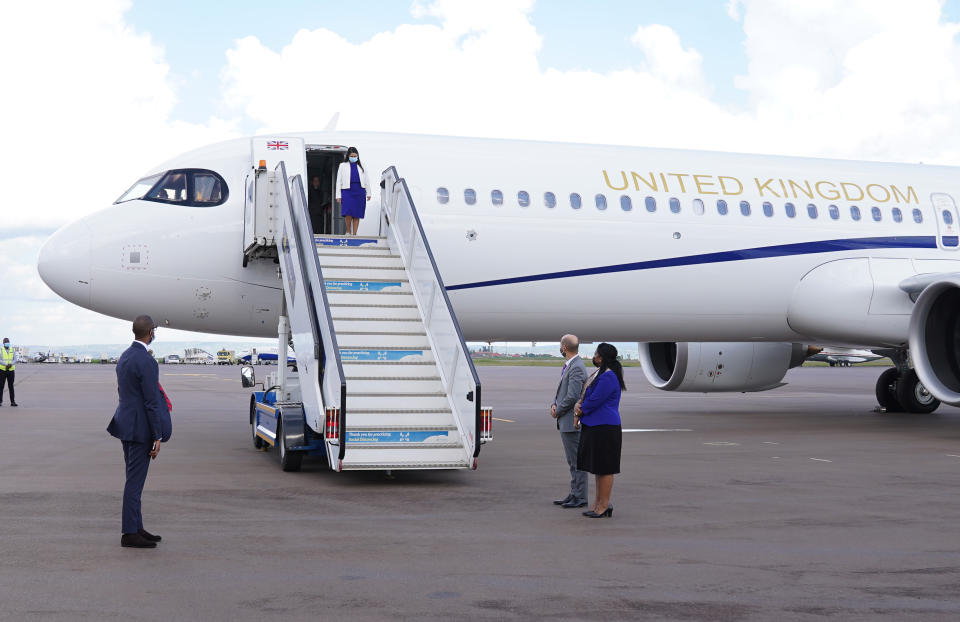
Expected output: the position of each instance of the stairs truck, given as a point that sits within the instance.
(383, 379)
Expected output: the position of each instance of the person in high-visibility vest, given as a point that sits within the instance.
(7, 367)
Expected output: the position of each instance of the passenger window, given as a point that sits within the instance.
(575, 200)
(601, 201)
(549, 199)
(625, 203)
(854, 212)
(768, 209)
(947, 217)
(497, 197)
(172, 188)
(523, 198)
(470, 196)
(651, 204)
(675, 205)
(897, 215)
(790, 210)
(721, 207)
(834, 212)
(812, 211)
(875, 212)
(917, 216)
(745, 208)
(443, 196)
(698, 208)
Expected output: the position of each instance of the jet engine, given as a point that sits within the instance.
(716, 367)
(935, 339)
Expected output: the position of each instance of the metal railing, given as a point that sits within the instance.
(459, 376)
(330, 377)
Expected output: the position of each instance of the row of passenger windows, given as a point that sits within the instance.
(698, 206)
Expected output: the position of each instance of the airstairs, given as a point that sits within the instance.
(384, 380)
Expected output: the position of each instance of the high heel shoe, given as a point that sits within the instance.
(605, 514)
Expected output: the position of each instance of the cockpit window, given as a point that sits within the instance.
(195, 187)
(139, 189)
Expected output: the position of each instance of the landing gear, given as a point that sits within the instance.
(900, 390)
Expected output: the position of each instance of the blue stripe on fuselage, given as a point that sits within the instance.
(760, 252)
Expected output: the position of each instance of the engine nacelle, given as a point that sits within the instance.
(935, 339)
(717, 367)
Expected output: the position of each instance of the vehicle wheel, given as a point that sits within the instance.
(887, 390)
(257, 441)
(913, 396)
(832, 364)
(290, 461)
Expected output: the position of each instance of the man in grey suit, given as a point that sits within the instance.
(572, 377)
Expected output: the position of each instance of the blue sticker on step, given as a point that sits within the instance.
(346, 241)
(361, 286)
(414, 436)
(377, 355)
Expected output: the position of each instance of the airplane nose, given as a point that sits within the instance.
(64, 263)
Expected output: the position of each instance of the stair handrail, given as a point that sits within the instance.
(332, 380)
(394, 186)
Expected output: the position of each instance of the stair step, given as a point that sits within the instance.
(375, 298)
(399, 458)
(366, 420)
(409, 437)
(378, 326)
(389, 369)
(380, 341)
(340, 259)
(366, 285)
(351, 242)
(384, 355)
(394, 400)
(394, 386)
(364, 273)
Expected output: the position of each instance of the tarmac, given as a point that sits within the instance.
(795, 504)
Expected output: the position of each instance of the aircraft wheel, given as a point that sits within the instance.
(290, 461)
(913, 396)
(887, 390)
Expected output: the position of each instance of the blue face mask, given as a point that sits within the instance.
(6, 344)
(354, 159)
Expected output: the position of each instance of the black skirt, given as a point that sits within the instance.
(599, 449)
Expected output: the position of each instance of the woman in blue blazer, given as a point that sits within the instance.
(598, 414)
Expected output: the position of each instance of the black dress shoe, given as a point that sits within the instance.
(14, 404)
(574, 504)
(149, 536)
(566, 499)
(136, 541)
(605, 514)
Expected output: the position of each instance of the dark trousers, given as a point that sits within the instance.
(137, 458)
(578, 479)
(6, 377)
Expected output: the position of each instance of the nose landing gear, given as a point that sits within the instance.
(900, 390)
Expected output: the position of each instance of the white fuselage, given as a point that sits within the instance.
(536, 272)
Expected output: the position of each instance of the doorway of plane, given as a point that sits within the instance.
(320, 186)
(947, 226)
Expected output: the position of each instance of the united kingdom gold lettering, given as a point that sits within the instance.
(831, 195)
(765, 187)
(623, 174)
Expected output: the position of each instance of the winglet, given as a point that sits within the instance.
(332, 123)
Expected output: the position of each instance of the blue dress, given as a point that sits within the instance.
(353, 200)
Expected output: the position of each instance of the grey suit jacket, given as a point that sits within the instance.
(568, 392)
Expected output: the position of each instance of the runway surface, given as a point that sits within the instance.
(797, 504)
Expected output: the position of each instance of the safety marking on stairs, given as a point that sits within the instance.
(399, 436)
(345, 241)
(377, 355)
(361, 286)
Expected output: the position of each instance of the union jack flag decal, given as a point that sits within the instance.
(277, 145)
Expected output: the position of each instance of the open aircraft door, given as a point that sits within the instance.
(947, 226)
(260, 218)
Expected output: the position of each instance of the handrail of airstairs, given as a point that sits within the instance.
(333, 384)
(459, 375)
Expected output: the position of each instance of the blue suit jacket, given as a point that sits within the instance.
(142, 414)
(601, 403)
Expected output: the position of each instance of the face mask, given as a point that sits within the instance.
(354, 159)
(6, 344)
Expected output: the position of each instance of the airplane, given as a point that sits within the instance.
(722, 266)
(844, 357)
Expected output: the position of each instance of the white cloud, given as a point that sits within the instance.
(666, 57)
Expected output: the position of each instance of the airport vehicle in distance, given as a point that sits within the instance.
(226, 357)
(724, 266)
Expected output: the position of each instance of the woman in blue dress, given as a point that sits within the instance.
(597, 414)
(353, 190)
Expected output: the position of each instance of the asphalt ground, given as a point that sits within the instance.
(797, 504)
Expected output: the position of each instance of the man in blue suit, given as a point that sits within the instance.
(141, 422)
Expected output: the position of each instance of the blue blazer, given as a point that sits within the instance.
(142, 414)
(601, 403)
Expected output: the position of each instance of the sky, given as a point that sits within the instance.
(100, 91)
